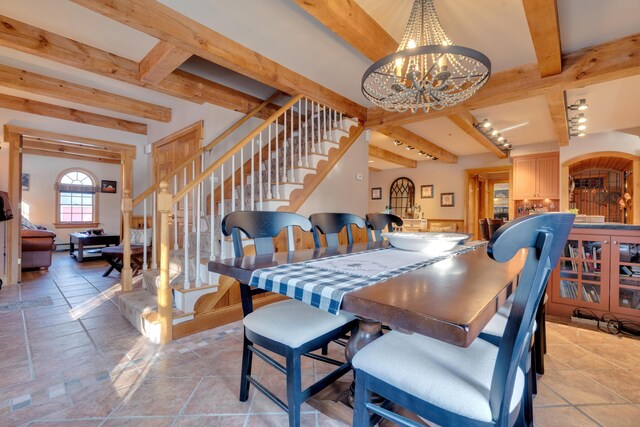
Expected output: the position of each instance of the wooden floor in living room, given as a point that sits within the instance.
(68, 358)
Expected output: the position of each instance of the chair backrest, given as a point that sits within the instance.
(377, 222)
(330, 224)
(484, 229)
(493, 225)
(262, 227)
(545, 236)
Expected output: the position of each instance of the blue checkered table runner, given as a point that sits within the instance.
(323, 288)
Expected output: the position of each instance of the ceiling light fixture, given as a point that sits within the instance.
(493, 135)
(428, 70)
(398, 143)
(486, 123)
(580, 105)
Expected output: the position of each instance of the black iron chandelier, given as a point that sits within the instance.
(428, 70)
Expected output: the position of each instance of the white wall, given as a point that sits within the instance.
(605, 141)
(445, 177)
(340, 191)
(39, 201)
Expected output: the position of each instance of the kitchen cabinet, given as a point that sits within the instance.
(536, 177)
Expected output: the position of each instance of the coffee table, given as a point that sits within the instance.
(83, 240)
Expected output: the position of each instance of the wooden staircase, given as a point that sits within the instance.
(275, 167)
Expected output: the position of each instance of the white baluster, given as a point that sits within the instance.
(341, 122)
(291, 144)
(221, 191)
(154, 237)
(277, 179)
(198, 230)
(300, 132)
(194, 213)
(269, 164)
(284, 155)
(144, 235)
(324, 123)
(260, 166)
(253, 184)
(242, 181)
(233, 184)
(175, 214)
(212, 216)
(185, 241)
(306, 132)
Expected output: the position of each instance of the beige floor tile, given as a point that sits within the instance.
(577, 357)
(139, 422)
(157, 396)
(562, 416)
(13, 356)
(578, 389)
(67, 423)
(547, 397)
(275, 420)
(55, 331)
(617, 352)
(15, 340)
(14, 374)
(211, 421)
(217, 395)
(614, 415)
(621, 381)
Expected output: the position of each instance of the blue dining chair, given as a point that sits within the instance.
(480, 385)
(290, 328)
(331, 224)
(378, 222)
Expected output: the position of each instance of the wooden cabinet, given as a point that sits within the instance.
(599, 270)
(536, 177)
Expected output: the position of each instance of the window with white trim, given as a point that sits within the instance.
(76, 201)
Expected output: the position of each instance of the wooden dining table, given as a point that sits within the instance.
(451, 300)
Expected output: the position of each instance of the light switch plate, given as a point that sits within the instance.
(359, 176)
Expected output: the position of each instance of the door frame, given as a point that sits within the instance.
(197, 127)
(14, 135)
(471, 217)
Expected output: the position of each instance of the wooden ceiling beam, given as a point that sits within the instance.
(351, 23)
(465, 120)
(542, 17)
(71, 114)
(43, 85)
(161, 61)
(612, 60)
(388, 156)
(558, 110)
(372, 169)
(44, 44)
(166, 24)
(409, 138)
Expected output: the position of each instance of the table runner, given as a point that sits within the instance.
(324, 287)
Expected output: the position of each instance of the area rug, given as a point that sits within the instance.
(37, 302)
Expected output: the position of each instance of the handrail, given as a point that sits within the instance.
(208, 147)
(207, 172)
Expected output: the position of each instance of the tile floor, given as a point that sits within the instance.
(74, 361)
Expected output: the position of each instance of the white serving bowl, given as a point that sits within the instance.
(432, 242)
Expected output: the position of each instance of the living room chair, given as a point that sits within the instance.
(378, 222)
(291, 328)
(479, 385)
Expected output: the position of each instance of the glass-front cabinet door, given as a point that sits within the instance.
(581, 281)
(625, 275)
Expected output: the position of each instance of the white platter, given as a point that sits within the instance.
(431, 242)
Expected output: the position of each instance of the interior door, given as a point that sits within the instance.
(168, 154)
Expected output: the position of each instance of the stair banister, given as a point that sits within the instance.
(127, 208)
(165, 298)
(229, 154)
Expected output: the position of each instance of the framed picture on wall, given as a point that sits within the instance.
(108, 186)
(26, 181)
(447, 200)
(426, 191)
(376, 193)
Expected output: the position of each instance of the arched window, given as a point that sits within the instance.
(76, 199)
(402, 196)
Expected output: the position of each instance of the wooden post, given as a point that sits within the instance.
(564, 188)
(165, 300)
(127, 207)
(635, 210)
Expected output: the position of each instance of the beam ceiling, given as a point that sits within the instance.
(409, 138)
(71, 114)
(465, 120)
(558, 110)
(161, 61)
(612, 60)
(36, 41)
(388, 156)
(542, 17)
(166, 24)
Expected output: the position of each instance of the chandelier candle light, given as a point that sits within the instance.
(428, 70)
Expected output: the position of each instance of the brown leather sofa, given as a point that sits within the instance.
(37, 247)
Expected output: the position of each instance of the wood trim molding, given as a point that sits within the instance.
(465, 120)
(388, 156)
(595, 64)
(161, 61)
(542, 17)
(180, 84)
(197, 127)
(586, 156)
(407, 137)
(70, 114)
(558, 110)
(43, 85)
(166, 24)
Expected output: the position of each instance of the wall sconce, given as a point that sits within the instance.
(576, 123)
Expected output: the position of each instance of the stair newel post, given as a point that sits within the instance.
(165, 300)
(127, 208)
(144, 233)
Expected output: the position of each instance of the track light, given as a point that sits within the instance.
(580, 105)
